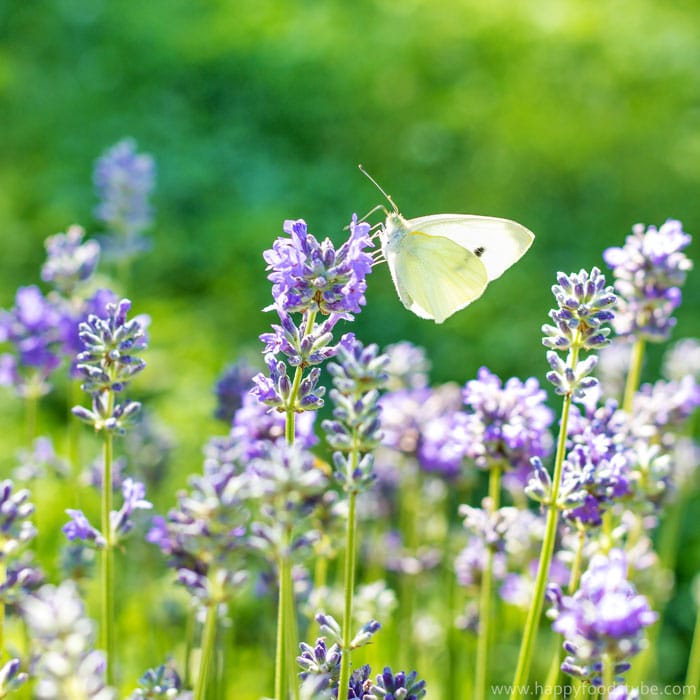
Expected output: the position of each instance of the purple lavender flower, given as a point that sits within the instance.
(399, 686)
(69, 261)
(72, 316)
(254, 424)
(162, 683)
(124, 180)
(62, 639)
(312, 276)
(286, 486)
(231, 388)
(408, 366)
(649, 272)
(15, 527)
(11, 678)
(39, 461)
(605, 617)
(425, 424)
(584, 306)
(205, 536)
(108, 363)
(507, 424)
(80, 528)
(358, 376)
(31, 328)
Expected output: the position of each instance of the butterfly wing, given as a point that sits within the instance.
(434, 276)
(498, 243)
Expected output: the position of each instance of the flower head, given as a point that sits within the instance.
(69, 261)
(308, 275)
(231, 387)
(62, 637)
(507, 423)
(32, 329)
(399, 686)
(124, 180)
(649, 272)
(606, 616)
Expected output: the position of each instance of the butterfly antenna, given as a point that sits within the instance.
(378, 186)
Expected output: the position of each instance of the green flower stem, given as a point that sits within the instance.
(634, 374)
(290, 627)
(482, 649)
(107, 631)
(692, 677)
(31, 404)
(189, 644)
(280, 656)
(74, 427)
(349, 586)
(608, 674)
(3, 576)
(290, 413)
(207, 651)
(575, 576)
(533, 617)
(552, 681)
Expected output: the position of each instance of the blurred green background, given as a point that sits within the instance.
(576, 118)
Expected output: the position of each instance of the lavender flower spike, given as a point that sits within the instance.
(649, 272)
(69, 261)
(62, 638)
(605, 617)
(124, 180)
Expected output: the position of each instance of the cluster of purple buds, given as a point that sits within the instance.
(354, 432)
(162, 683)
(507, 423)
(39, 461)
(204, 538)
(107, 364)
(320, 663)
(584, 307)
(287, 487)
(424, 424)
(124, 180)
(31, 328)
(309, 278)
(64, 663)
(396, 686)
(121, 522)
(11, 677)
(16, 531)
(254, 425)
(69, 261)
(604, 619)
(231, 387)
(649, 272)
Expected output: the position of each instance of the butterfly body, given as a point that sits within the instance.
(441, 263)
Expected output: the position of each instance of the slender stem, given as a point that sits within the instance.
(31, 410)
(291, 630)
(3, 576)
(280, 656)
(207, 651)
(533, 616)
(189, 643)
(576, 566)
(608, 675)
(349, 585)
(692, 677)
(634, 374)
(482, 649)
(108, 553)
(290, 412)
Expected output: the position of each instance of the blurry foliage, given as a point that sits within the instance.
(576, 118)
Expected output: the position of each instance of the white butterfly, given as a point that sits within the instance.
(442, 263)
